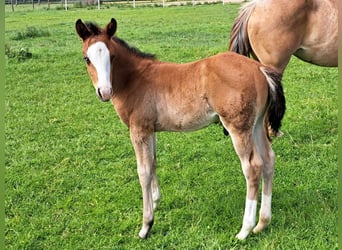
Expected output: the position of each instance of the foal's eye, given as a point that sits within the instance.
(86, 59)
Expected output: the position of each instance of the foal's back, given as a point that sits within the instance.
(193, 95)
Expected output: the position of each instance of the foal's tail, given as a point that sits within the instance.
(277, 104)
(239, 40)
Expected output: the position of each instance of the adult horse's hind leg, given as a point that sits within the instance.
(252, 166)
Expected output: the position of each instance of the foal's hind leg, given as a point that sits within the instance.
(267, 179)
(252, 165)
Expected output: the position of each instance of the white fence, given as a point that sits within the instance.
(66, 4)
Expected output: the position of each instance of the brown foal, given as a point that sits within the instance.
(151, 96)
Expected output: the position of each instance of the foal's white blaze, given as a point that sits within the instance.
(98, 54)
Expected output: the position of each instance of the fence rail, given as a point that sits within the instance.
(65, 4)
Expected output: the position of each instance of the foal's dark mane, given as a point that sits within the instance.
(134, 50)
(96, 30)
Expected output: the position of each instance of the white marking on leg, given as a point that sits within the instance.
(155, 192)
(148, 215)
(265, 210)
(248, 219)
(265, 213)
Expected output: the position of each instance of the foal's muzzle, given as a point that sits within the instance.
(105, 94)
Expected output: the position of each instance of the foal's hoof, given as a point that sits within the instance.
(261, 225)
(275, 134)
(258, 229)
(225, 131)
(145, 230)
(142, 235)
(279, 134)
(242, 234)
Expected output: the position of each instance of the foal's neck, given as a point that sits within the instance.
(128, 65)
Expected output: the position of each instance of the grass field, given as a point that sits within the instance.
(71, 179)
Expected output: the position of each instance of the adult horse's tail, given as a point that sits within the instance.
(277, 104)
(239, 40)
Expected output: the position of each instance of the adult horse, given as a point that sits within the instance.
(151, 96)
(273, 30)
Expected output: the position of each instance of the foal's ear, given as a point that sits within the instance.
(82, 30)
(111, 28)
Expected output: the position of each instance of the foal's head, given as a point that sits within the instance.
(97, 55)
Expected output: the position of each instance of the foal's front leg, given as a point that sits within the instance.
(144, 147)
(154, 185)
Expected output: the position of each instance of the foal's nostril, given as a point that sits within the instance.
(104, 94)
(99, 93)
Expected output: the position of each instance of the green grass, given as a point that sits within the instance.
(71, 179)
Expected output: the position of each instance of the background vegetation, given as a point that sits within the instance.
(71, 179)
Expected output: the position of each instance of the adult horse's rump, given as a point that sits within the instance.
(273, 30)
